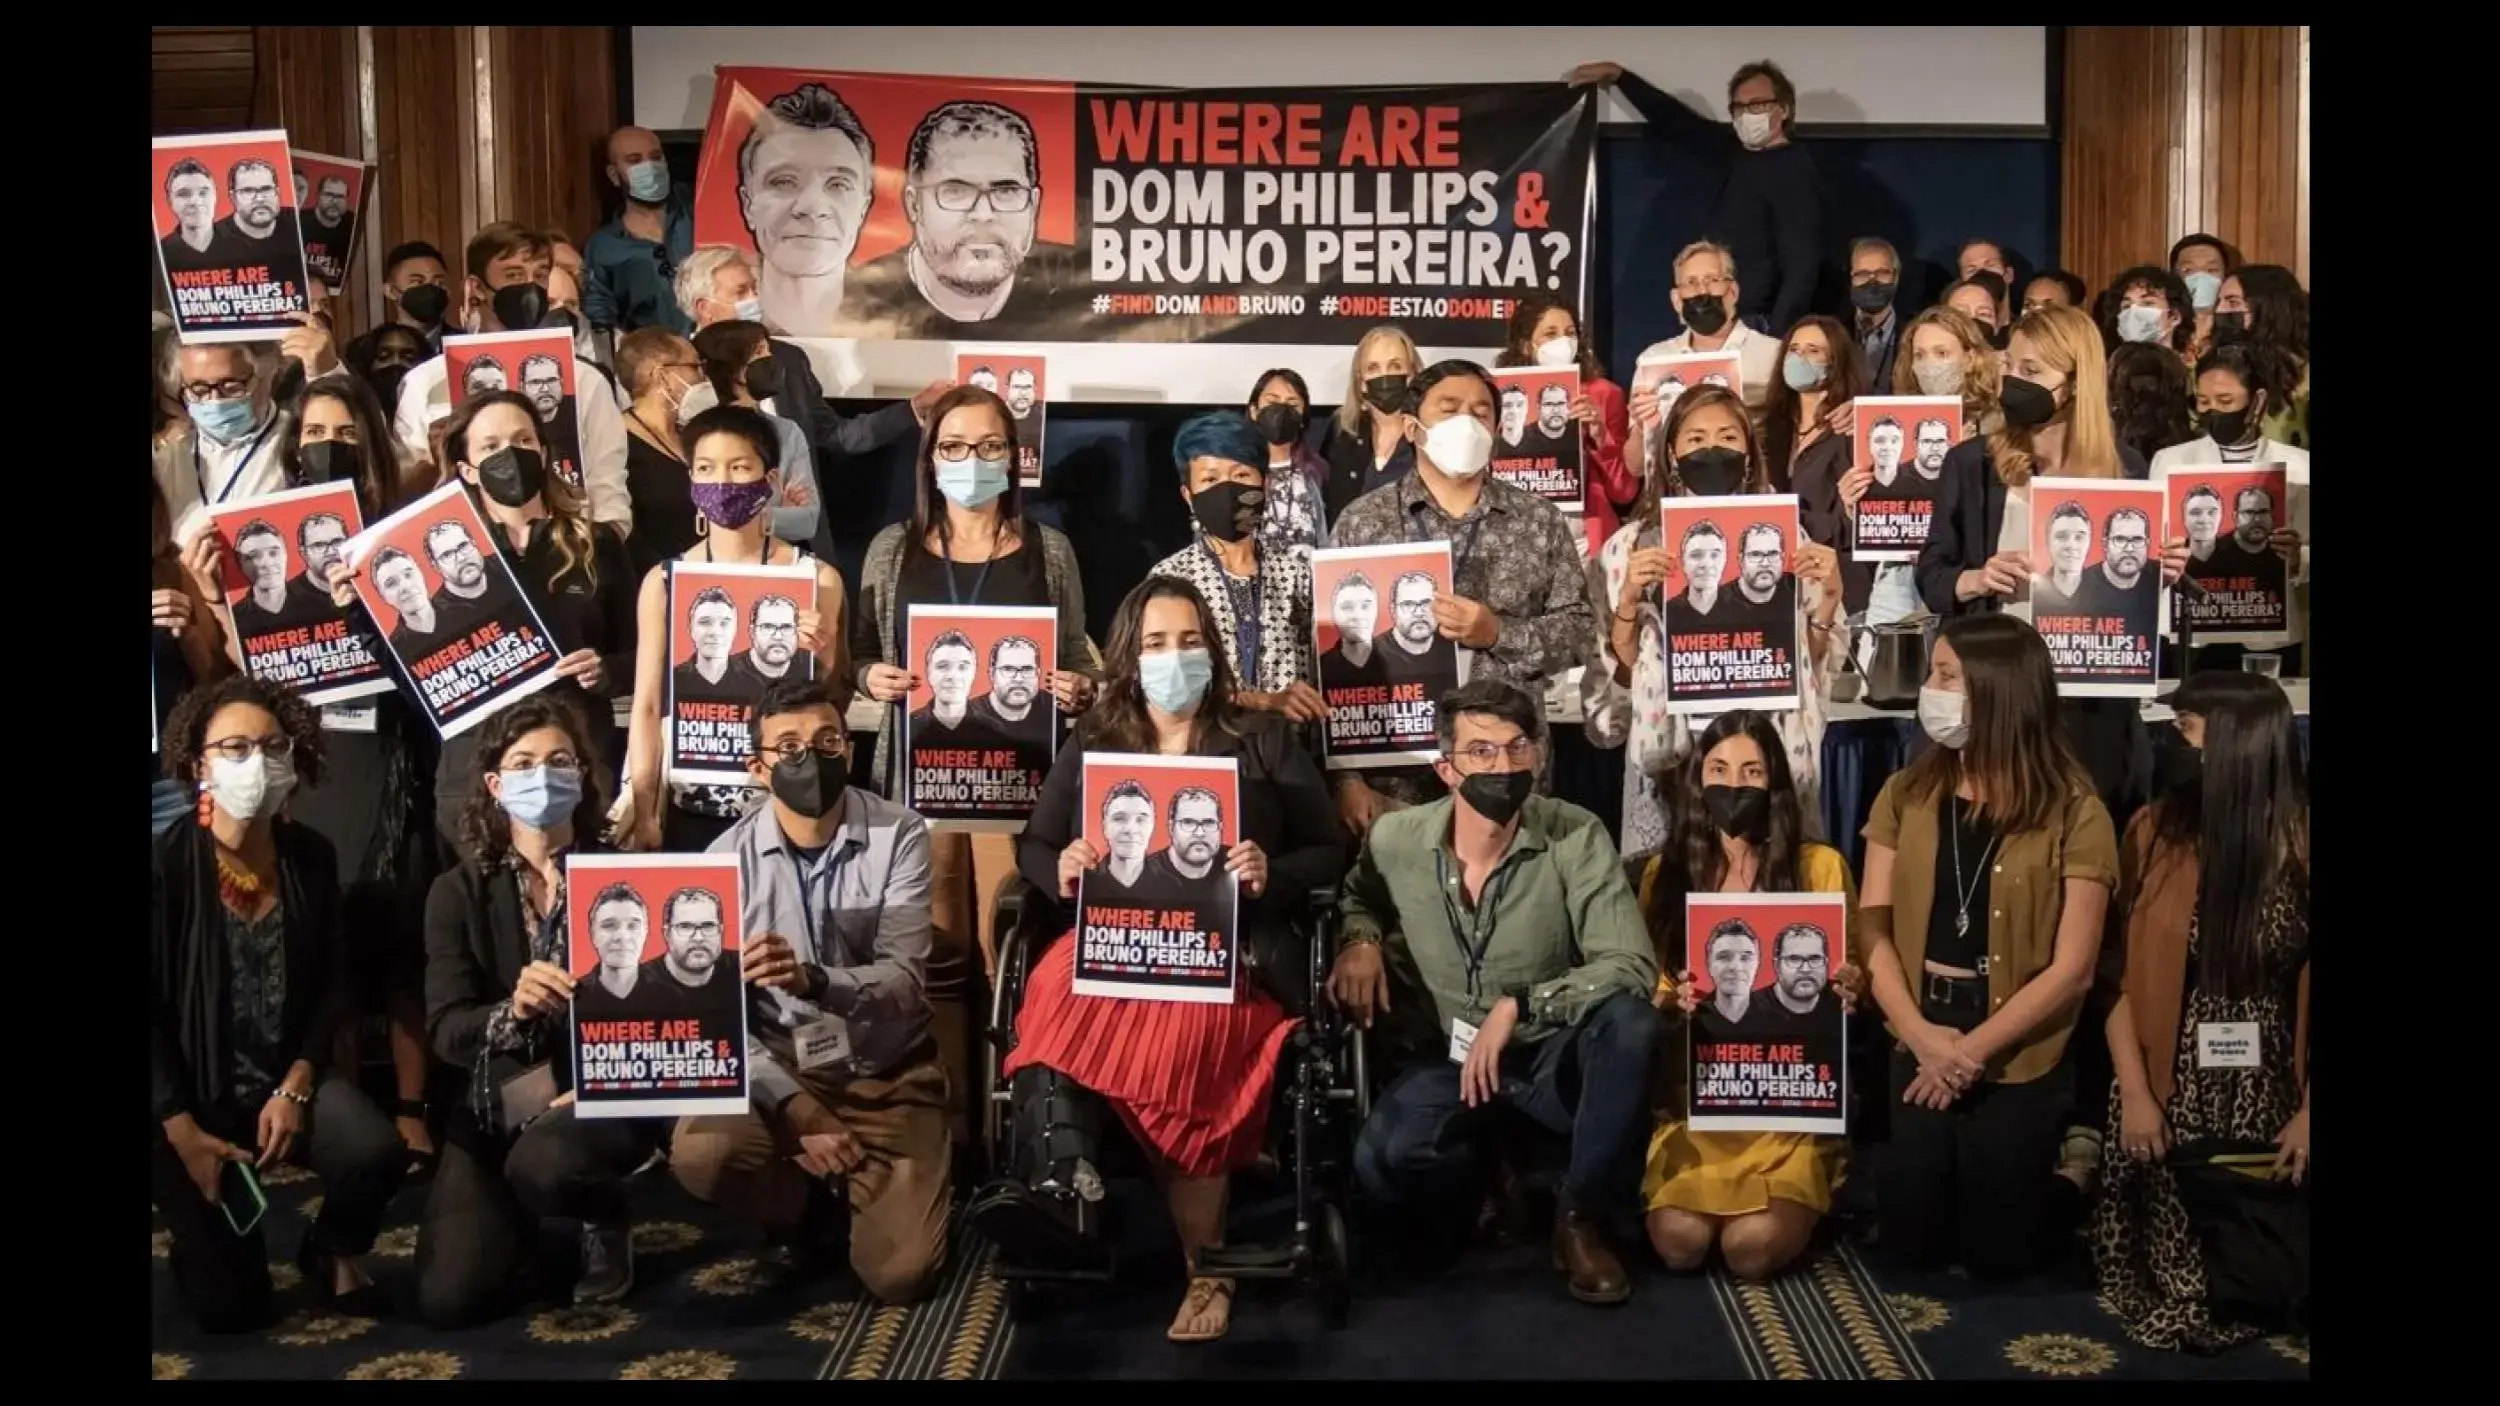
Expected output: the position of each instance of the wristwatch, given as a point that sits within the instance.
(1524, 995)
(816, 982)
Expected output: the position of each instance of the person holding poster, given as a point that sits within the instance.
(241, 278)
(2232, 404)
(981, 744)
(968, 543)
(1705, 300)
(1517, 602)
(1989, 864)
(1259, 591)
(246, 989)
(186, 648)
(499, 984)
(694, 688)
(1756, 1195)
(1710, 456)
(1193, 1079)
(1507, 918)
(1544, 332)
(2096, 605)
(849, 1087)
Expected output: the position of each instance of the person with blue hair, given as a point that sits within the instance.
(1258, 594)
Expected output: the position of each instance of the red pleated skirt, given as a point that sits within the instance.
(1193, 1081)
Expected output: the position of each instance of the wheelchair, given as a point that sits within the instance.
(1323, 1092)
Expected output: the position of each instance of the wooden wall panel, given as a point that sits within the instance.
(554, 104)
(304, 80)
(421, 84)
(199, 78)
(2124, 90)
(2253, 119)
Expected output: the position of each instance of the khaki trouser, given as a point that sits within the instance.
(899, 1196)
(966, 871)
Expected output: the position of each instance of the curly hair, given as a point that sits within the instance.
(186, 731)
(485, 831)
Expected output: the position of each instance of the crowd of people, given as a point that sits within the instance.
(2062, 914)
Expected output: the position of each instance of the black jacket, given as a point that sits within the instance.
(830, 435)
(1768, 210)
(189, 1021)
(1970, 512)
(1350, 473)
(1820, 516)
(476, 942)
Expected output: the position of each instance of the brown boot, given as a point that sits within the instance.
(1582, 1254)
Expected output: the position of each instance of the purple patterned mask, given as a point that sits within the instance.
(730, 505)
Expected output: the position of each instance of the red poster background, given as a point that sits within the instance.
(1383, 571)
(219, 155)
(654, 881)
(1161, 783)
(691, 579)
(2048, 495)
(926, 623)
(1767, 915)
(1909, 411)
(287, 515)
(1733, 517)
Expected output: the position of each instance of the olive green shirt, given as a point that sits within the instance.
(1556, 920)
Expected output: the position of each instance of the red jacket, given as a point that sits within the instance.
(1612, 483)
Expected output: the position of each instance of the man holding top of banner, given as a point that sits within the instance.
(1505, 916)
(844, 1067)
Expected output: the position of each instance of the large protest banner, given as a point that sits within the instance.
(659, 1011)
(914, 212)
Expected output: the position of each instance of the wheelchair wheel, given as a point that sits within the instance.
(1334, 1282)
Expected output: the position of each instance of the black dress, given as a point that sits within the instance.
(664, 518)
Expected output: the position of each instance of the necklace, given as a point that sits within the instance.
(237, 887)
(1961, 916)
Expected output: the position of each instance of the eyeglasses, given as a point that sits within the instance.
(242, 749)
(1758, 107)
(1521, 751)
(1805, 963)
(827, 744)
(1005, 197)
(1018, 671)
(1696, 287)
(559, 761)
(955, 451)
(201, 391)
(1194, 824)
(710, 929)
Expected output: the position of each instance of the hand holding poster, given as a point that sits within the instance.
(1667, 375)
(539, 366)
(330, 196)
(278, 551)
(1734, 637)
(1023, 382)
(733, 630)
(659, 1013)
(2096, 592)
(1904, 439)
(447, 606)
(1383, 662)
(1770, 1042)
(983, 723)
(1538, 445)
(1159, 922)
(225, 221)
(2230, 513)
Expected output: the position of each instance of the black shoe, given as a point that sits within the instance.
(321, 1285)
(607, 1263)
(1032, 1229)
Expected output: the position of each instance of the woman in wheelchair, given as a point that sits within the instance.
(1734, 826)
(1193, 1081)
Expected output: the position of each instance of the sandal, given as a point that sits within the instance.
(1204, 1293)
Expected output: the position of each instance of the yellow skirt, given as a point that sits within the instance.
(1738, 1174)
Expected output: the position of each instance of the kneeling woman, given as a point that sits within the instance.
(1738, 827)
(497, 988)
(1193, 1081)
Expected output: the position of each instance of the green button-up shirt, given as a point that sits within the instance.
(1556, 918)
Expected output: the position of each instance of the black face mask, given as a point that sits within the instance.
(427, 302)
(385, 384)
(1706, 314)
(565, 318)
(2230, 329)
(2178, 767)
(1497, 795)
(1741, 812)
(330, 461)
(812, 784)
(512, 476)
(1870, 297)
(1999, 336)
(763, 379)
(1228, 511)
(1386, 393)
(520, 306)
(1712, 473)
(2028, 404)
(2227, 427)
(1280, 423)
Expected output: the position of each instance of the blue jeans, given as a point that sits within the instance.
(168, 802)
(1591, 1084)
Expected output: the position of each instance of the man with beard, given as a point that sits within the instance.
(1353, 608)
(1935, 440)
(1553, 412)
(1700, 607)
(2247, 551)
(1128, 826)
(2122, 587)
(972, 192)
(1765, 598)
(260, 231)
(1412, 649)
(1189, 871)
(330, 232)
(1021, 393)
(485, 377)
(2056, 591)
(1801, 975)
(542, 380)
(1514, 415)
(948, 722)
(1015, 682)
(191, 193)
(773, 641)
(471, 595)
(620, 926)
(806, 177)
(401, 583)
(1883, 452)
(712, 623)
(1734, 957)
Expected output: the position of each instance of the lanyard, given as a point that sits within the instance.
(1460, 555)
(807, 903)
(1248, 630)
(1482, 929)
(199, 465)
(977, 581)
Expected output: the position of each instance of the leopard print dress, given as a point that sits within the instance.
(2151, 1268)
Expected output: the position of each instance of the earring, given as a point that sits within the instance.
(207, 806)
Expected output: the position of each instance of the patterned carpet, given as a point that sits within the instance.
(699, 1311)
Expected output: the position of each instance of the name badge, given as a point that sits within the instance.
(2226, 1044)
(822, 1042)
(351, 717)
(1462, 1039)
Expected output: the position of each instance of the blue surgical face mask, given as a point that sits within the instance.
(2204, 290)
(224, 421)
(542, 797)
(647, 181)
(969, 483)
(1175, 679)
(2139, 324)
(1801, 374)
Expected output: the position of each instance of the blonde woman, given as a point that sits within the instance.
(1369, 447)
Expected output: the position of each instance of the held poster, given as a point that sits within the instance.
(1734, 632)
(1537, 446)
(733, 630)
(2229, 514)
(1770, 1042)
(1669, 374)
(223, 210)
(1904, 439)
(1383, 662)
(278, 551)
(981, 722)
(330, 194)
(1158, 916)
(450, 611)
(1024, 383)
(659, 1018)
(537, 365)
(2096, 594)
